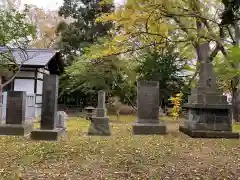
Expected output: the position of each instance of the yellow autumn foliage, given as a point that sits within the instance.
(142, 23)
(176, 102)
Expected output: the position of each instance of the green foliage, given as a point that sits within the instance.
(14, 31)
(14, 26)
(91, 76)
(83, 31)
(226, 68)
(108, 74)
(166, 67)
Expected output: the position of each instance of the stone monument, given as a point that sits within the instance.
(100, 122)
(148, 109)
(208, 110)
(48, 124)
(15, 115)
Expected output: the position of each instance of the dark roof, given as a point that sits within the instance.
(34, 57)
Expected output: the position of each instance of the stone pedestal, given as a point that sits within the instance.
(48, 124)
(100, 122)
(15, 115)
(16, 129)
(208, 110)
(48, 135)
(149, 128)
(148, 109)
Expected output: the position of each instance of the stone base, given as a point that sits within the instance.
(91, 133)
(149, 128)
(205, 119)
(99, 127)
(16, 129)
(48, 135)
(209, 134)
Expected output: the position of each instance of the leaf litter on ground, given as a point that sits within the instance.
(121, 156)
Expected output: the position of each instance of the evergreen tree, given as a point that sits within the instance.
(84, 30)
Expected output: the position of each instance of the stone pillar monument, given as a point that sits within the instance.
(15, 115)
(100, 123)
(48, 124)
(148, 109)
(208, 110)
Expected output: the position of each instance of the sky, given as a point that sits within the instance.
(50, 4)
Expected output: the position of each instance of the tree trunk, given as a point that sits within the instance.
(236, 82)
(235, 102)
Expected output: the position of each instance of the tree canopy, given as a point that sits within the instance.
(15, 31)
(199, 31)
(167, 68)
(140, 24)
(83, 31)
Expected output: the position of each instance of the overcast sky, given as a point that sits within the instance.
(51, 4)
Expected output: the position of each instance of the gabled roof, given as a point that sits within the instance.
(39, 58)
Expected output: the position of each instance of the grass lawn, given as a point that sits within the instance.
(120, 156)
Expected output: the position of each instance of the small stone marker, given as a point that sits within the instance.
(64, 114)
(208, 110)
(48, 124)
(61, 120)
(100, 123)
(15, 115)
(148, 109)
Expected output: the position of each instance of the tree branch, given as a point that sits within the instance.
(128, 99)
(231, 35)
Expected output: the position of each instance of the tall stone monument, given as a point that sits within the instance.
(148, 109)
(208, 110)
(48, 124)
(100, 122)
(15, 115)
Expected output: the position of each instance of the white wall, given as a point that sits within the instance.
(40, 69)
(38, 109)
(40, 75)
(28, 86)
(43, 70)
(24, 85)
(38, 99)
(39, 86)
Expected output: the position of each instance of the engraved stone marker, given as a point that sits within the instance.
(101, 110)
(15, 115)
(101, 99)
(48, 129)
(148, 102)
(49, 107)
(148, 109)
(16, 107)
(100, 123)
